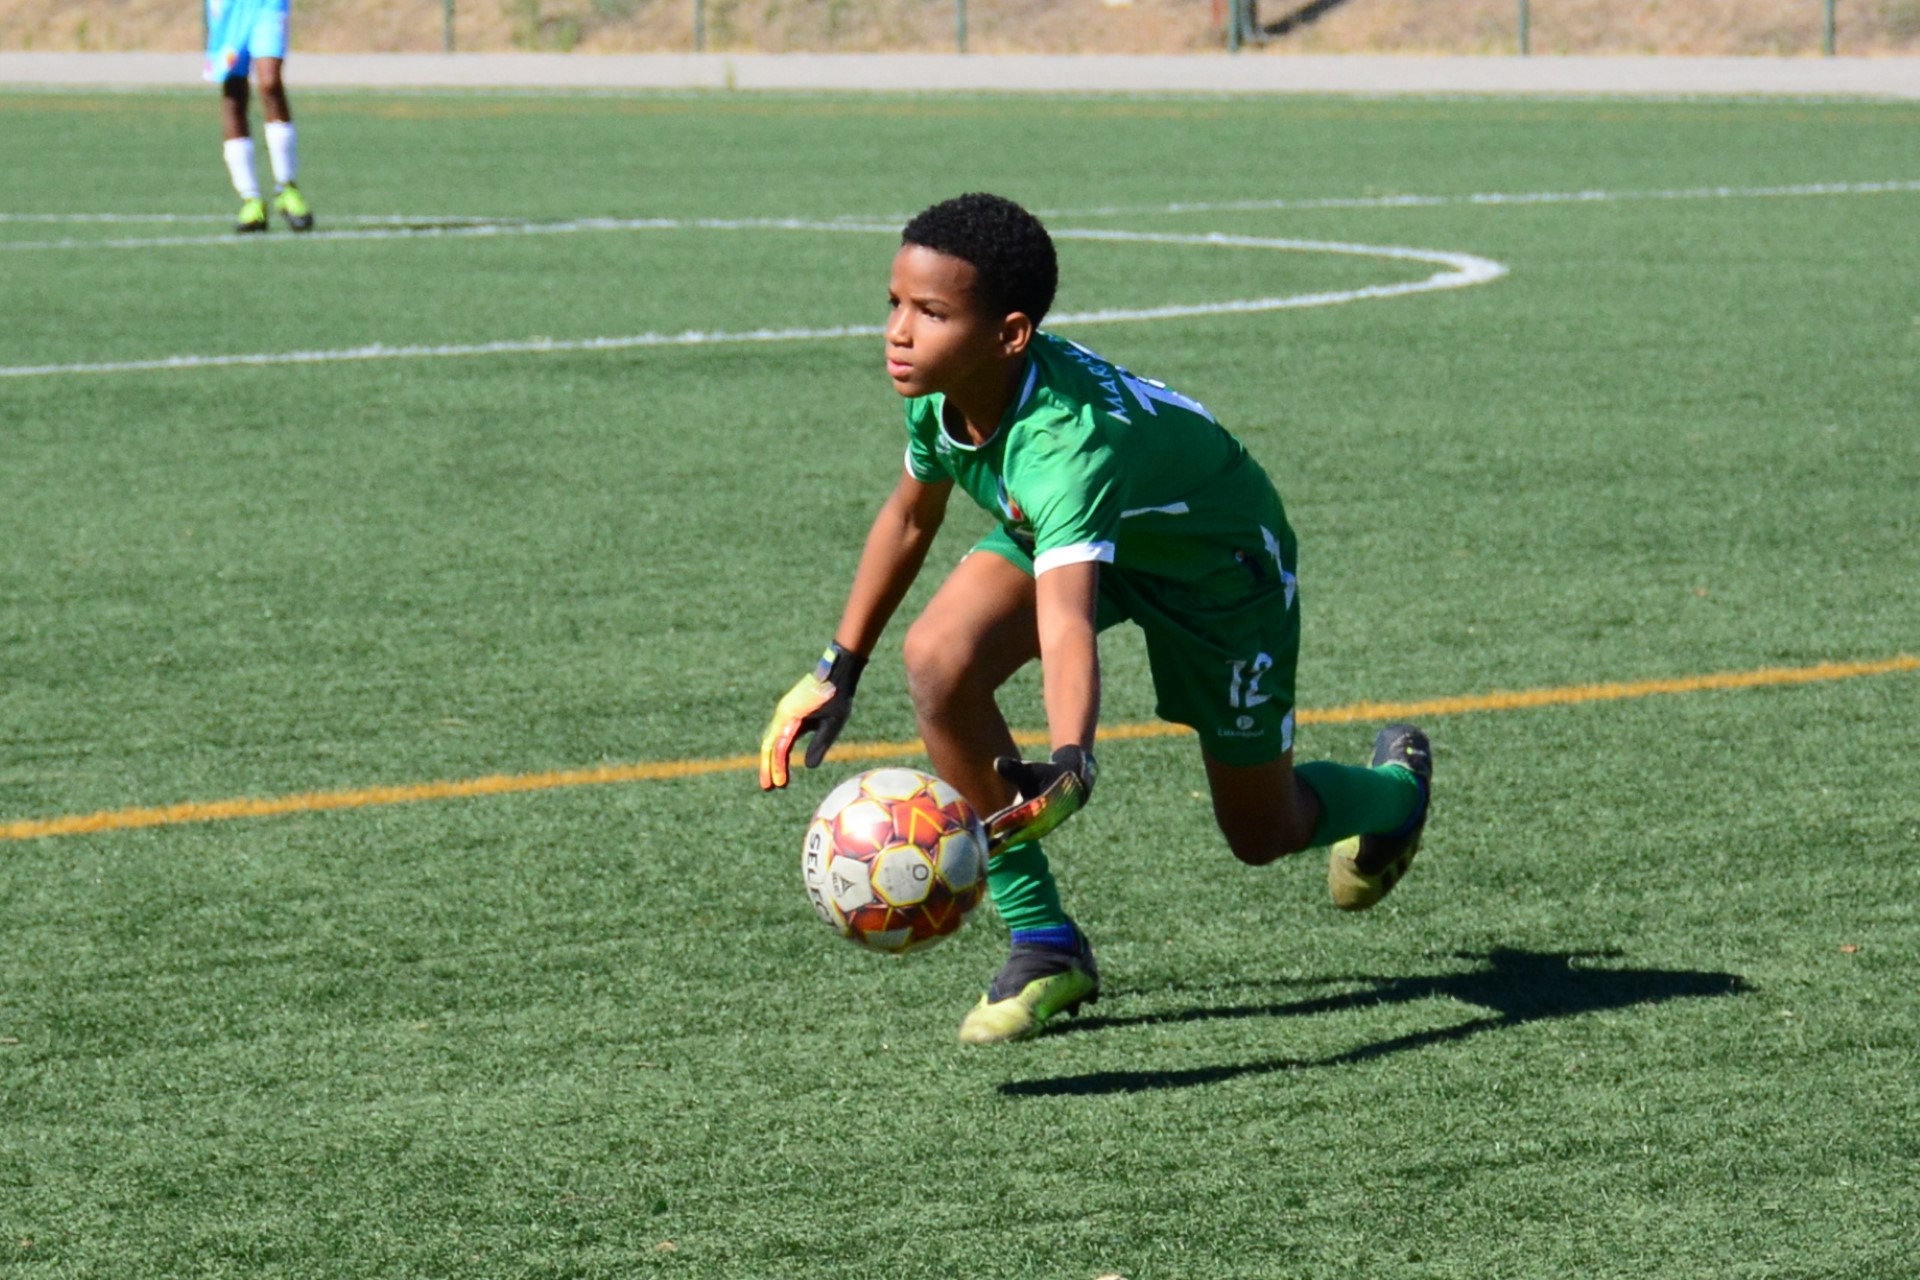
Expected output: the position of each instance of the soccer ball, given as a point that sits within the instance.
(894, 859)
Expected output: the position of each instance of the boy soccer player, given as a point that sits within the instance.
(1118, 499)
(244, 35)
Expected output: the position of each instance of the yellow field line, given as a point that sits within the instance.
(508, 784)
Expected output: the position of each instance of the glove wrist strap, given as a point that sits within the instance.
(1078, 760)
(840, 667)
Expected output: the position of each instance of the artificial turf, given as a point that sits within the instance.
(1645, 1006)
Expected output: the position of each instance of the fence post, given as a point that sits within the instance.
(699, 26)
(446, 26)
(959, 26)
(1236, 25)
(1829, 29)
(1526, 36)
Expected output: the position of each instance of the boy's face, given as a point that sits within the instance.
(940, 336)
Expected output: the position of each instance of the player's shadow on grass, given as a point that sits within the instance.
(1517, 986)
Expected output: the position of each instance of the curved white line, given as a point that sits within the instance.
(396, 226)
(1461, 271)
(1495, 199)
(1458, 271)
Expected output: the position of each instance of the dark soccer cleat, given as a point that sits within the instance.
(1362, 871)
(1036, 983)
(252, 216)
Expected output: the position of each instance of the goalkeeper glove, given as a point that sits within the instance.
(820, 705)
(1050, 792)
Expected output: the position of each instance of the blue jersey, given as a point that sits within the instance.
(238, 31)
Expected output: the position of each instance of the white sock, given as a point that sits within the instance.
(239, 154)
(280, 150)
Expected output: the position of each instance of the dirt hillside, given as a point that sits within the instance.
(1757, 27)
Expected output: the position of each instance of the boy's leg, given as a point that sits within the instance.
(975, 633)
(1264, 810)
(273, 91)
(1228, 671)
(282, 145)
(281, 150)
(236, 149)
(1267, 811)
(978, 630)
(233, 108)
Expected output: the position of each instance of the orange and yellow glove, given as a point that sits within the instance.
(1051, 791)
(820, 704)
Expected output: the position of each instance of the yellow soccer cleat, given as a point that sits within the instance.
(1363, 870)
(293, 206)
(1037, 983)
(252, 216)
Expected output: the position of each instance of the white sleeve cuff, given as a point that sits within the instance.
(1080, 554)
(939, 475)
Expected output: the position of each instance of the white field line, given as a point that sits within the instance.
(1457, 271)
(425, 229)
(65, 219)
(404, 227)
(1496, 199)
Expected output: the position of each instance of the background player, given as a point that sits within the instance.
(243, 35)
(1118, 498)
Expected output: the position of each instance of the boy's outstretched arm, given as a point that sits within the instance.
(1054, 790)
(897, 546)
(1065, 598)
(822, 701)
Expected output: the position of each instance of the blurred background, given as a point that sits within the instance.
(1679, 27)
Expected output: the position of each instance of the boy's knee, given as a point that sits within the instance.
(1259, 850)
(933, 663)
(1259, 844)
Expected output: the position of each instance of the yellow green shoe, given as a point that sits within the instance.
(252, 216)
(1036, 983)
(293, 206)
(1363, 870)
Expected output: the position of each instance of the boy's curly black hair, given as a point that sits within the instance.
(1005, 244)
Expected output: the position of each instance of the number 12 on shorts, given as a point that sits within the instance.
(1244, 688)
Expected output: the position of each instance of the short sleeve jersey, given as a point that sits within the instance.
(1086, 449)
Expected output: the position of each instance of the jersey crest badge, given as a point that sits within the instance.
(1008, 507)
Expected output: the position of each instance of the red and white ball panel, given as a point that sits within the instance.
(894, 859)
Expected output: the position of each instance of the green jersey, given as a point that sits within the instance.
(1094, 463)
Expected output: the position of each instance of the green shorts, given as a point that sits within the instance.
(1223, 638)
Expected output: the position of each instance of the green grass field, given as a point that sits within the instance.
(1645, 1008)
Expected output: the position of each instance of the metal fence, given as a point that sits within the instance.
(1243, 23)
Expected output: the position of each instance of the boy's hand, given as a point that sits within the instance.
(820, 704)
(1050, 792)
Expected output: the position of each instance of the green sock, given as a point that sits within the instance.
(1355, 801)
(1022, 888)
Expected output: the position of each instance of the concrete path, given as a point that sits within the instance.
(1260, 73)
(1196, 73)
